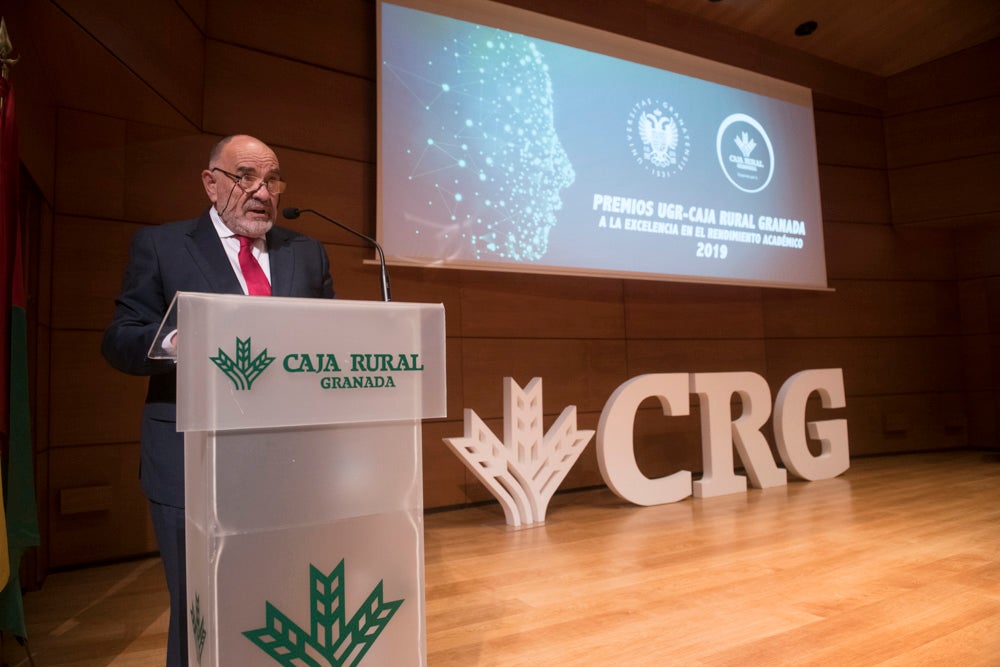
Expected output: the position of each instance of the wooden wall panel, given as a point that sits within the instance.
(35, 565)
(978, 362)
(90, 165)
(456, 379)
(838, 105)
(516, 305)
(679, 310)
(445, 476)
(940, 134)
(857, 195)
(38, 262)
(850, 140)
(993, 299)
(696, 356)
(976, 254)
(124, 170)
(88, 276)
(983, 411)
(122, 530)
(40, 390)
(944, 148)
(335, 35)
(907, 423)
(574, 372)
(38, 255)
(880, 252)
(967, 75)
(431, 286)
(55, 44)
(305, 107)
(585, 473)
(955, 189)
(35, 104)
(163, 47)
(91, 402)
(974, 303)
(995, 365)
(864, 308)
(981, 343)
(337, 188)
(873, 366)
(356, 276)
(159, 161)
(196, 9)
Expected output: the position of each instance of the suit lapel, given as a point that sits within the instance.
(282, 261)
(210, 258)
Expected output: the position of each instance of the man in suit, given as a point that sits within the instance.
(232, 248)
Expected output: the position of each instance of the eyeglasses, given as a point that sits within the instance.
(250, 184)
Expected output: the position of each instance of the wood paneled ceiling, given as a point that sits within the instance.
(882, 37)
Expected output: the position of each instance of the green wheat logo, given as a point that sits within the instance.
(243, 371)
(198, 626)
(341, 643)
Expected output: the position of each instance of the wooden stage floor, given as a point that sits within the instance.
(897, 562)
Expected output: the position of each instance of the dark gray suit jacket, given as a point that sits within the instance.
(188, 256)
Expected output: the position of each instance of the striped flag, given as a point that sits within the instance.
(20, 511)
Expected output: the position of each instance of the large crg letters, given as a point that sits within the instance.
(615, 452)
(720, 432)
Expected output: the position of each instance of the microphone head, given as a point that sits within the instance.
(290, 213)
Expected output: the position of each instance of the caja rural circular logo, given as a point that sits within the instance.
(658, 137)
(745, 153)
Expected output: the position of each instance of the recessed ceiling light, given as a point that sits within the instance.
(807, 28)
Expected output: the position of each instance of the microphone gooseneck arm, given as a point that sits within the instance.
(292, 213)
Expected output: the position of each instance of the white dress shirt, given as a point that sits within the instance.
(232, 247)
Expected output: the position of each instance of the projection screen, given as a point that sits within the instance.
(513, 141)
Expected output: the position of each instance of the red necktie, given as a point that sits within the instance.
(257, 284)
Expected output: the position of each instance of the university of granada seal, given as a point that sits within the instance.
(658, 137)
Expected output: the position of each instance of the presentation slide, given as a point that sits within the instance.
(501, 150)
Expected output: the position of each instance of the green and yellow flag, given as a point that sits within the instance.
(20, 511)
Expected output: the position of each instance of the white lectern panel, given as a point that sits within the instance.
(278, 362)
(276, 478)
(257, 571)
(303, 480)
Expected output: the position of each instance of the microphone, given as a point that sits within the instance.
(292, 213)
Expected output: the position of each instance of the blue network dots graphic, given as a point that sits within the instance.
(491, 158)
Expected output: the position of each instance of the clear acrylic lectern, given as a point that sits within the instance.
(301, 421)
